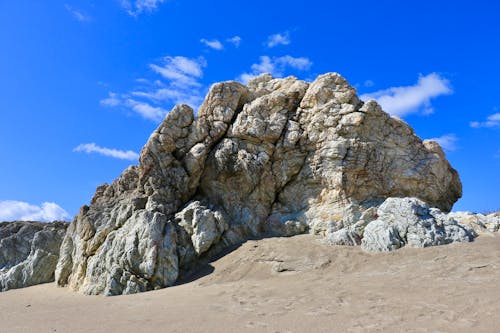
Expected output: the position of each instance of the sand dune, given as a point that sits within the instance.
(290, 285)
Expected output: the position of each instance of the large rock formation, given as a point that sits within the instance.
(279, 157)
(29, 252)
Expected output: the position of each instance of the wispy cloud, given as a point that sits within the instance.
(276, 66)
(112, 100)
(137, 7)
(492, 121)
(77, 14)
(401, 101)
(181, 71)
(213, 44)
(447, 141)
(11, 210)
(217, 44)
(146, 110)
(176, 96)
(278, 39)
(180, 82)
(235, 40)
(115, 153)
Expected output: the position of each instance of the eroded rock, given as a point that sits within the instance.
(277, 158)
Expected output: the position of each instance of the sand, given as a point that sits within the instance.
(291, 284)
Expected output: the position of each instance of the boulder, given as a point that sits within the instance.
(411, 222)
(29, 252)
(278, 157)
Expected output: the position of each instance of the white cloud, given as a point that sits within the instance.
(181, 71)
(235, 40)
(146, 110)
(112, 100)
(77, 14)
(447, 142)
(115, 153)
(183, 84)
(492, 121)
(276, 66)
(11, 210)
(213, 44)
(134, 8)
(176, 96)
(300, 63)
(278, 39)
(401, 101)
(180, 83)
(266, 65)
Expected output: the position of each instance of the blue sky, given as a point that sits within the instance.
(84, 83)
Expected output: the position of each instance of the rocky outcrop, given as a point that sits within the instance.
(410, 221)
(278, 157)
(29, 252)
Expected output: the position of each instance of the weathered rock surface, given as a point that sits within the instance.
(410, 221)
(202, 224)
(478, 223)
(29, 252)
(277, 157)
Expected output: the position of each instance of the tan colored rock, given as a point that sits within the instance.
(279, 157)
(354, 153)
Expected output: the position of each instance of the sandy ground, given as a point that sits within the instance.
(290, 285)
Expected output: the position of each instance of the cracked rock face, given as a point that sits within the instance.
(277, 157)
(29, 252)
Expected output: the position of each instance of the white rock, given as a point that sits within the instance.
(410, 221)
(205, 226)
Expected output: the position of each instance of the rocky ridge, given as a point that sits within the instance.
(29, 252)
(278, 157)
